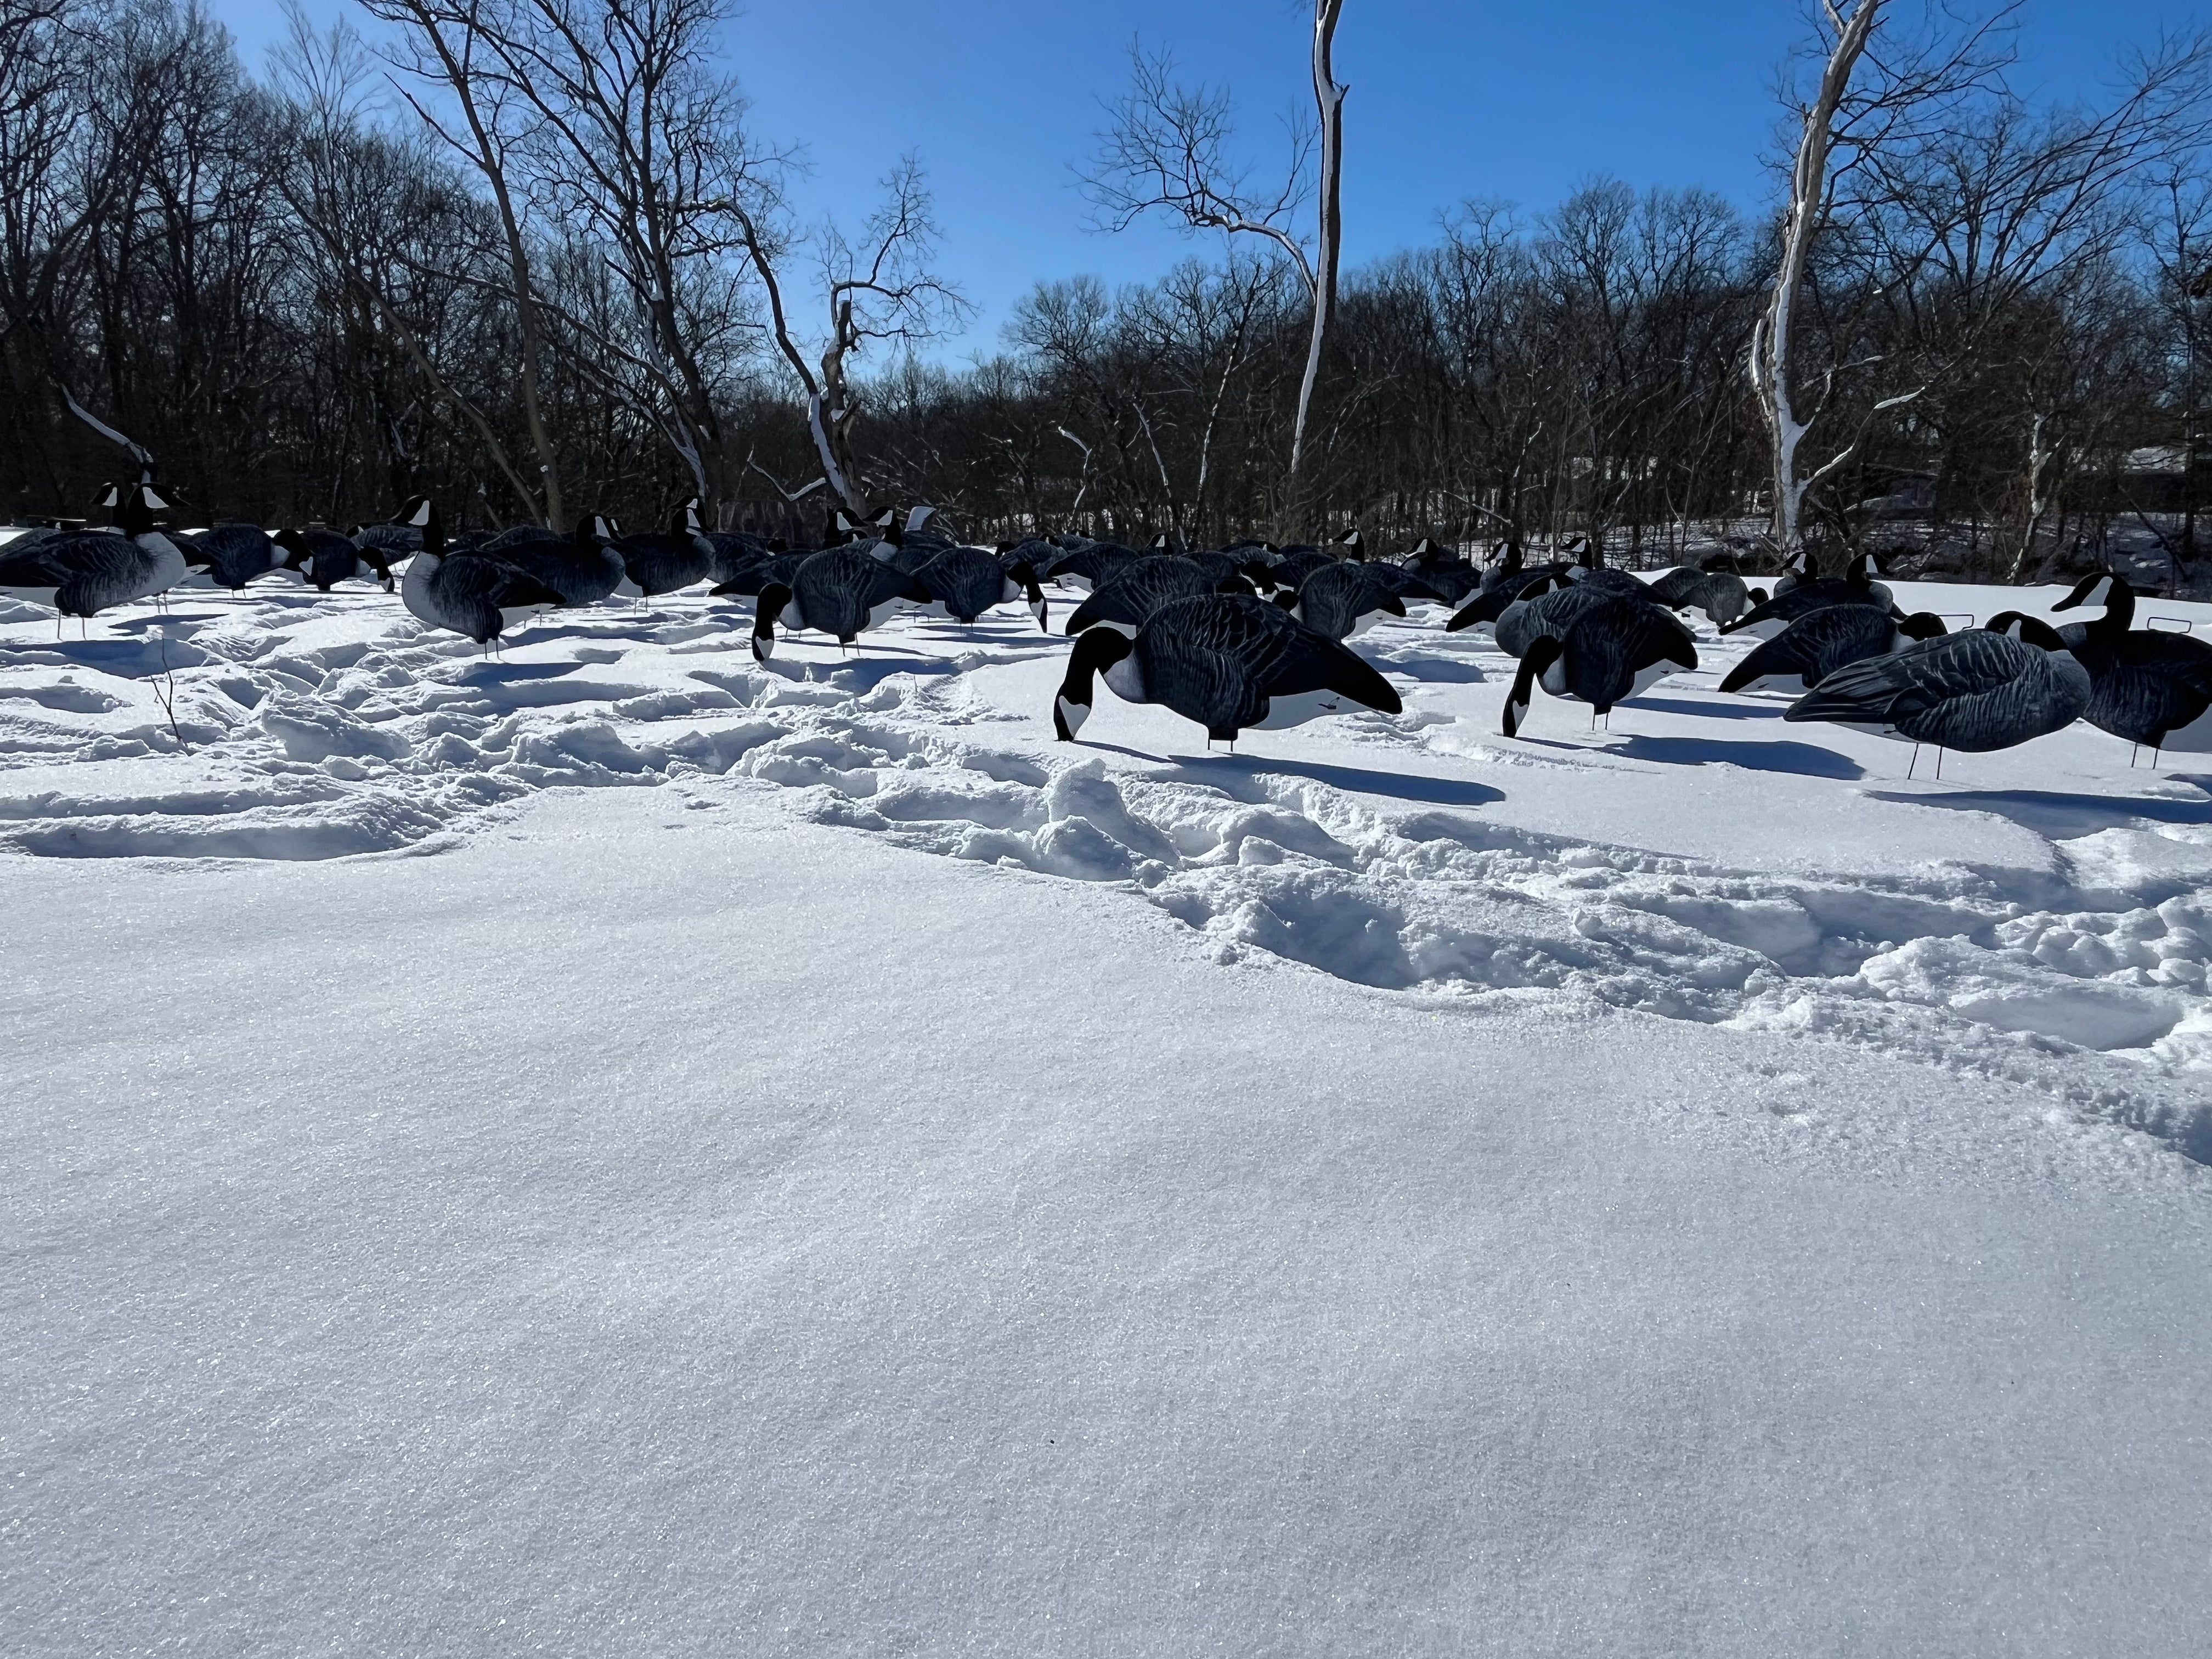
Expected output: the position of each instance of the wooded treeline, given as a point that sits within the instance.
(533, 261)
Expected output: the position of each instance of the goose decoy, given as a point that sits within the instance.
(1494, 603)
(841, 591)
(1231, 662)
(387, 544)
(1451, 577)
(82, 572)
(1552, 606)
(1856, 586)
(1589, 569)
(2151, 687)
(1139, 589)
(229, 556)
(479, 594)
(323, 559)
(1345, 600)
(1230, 575)
(1296, 564)
(1814, 647)
(653, 565)
(1800, 567)
(1089, 567)
(1720, 594)
(582, 567)
(963, 582)
(776, 568)
(1613, 647)
(731, 552)
(1987, 688)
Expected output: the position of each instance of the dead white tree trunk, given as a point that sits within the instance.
(1771, 334)
(1329, 99)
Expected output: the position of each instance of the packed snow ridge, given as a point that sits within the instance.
(2040, 916)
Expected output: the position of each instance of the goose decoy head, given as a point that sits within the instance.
(421, 513)
(918, 516)
(136, 515)
(1922, 625)
(1355, 544)
(1097, 650)
(686, 521)
(1023, 577)
(2103, 588)
(2028, 630)
(773, 600)
(1255, 571)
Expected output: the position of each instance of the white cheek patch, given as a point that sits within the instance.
(1074, 713)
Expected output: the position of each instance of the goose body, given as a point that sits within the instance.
(652, 565)
(1815, 645)
(1231, 662)
(1140, 588)
(2152, 688)
(730, 552)
(1608, 647)
(478, 594)
(1343, 601)
(1449, 577)
(841, 591)
(323, 559)
(229, 556)
(963, 582)
(1090, 568)
(1555, 606)
(82, 572)
(583, 567)
(1985, 688)
(1720, 594)
(1764, 621)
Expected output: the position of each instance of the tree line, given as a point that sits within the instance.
(531, 256)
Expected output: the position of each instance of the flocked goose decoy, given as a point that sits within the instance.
(1814, 647)
(1137, 590)
(82, 572)
(1987, 688)
(476, 593)
(1610, 649)
(2152, 687)
(583, 566)
(1231, 662)
(963, 582)
(657, 564)
(231, 556)
(1856, 586)
(841, 591)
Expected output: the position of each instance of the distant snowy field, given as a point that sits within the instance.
(612, 1148)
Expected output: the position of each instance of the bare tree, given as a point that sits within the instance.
(437, 44)
(1848, 121)
(1329, 100)
(879, 288)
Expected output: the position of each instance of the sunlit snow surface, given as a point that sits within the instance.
(611, 1149)
(2038, 914)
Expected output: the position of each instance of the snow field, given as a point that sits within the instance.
(2038, 916)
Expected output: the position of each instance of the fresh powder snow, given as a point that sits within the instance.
(608, 1146)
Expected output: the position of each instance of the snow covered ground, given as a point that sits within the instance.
(616, 1149)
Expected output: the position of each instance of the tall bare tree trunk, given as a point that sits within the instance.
(1329, 99)
(1770, 334)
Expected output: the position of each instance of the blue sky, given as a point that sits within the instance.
(1449, 100)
